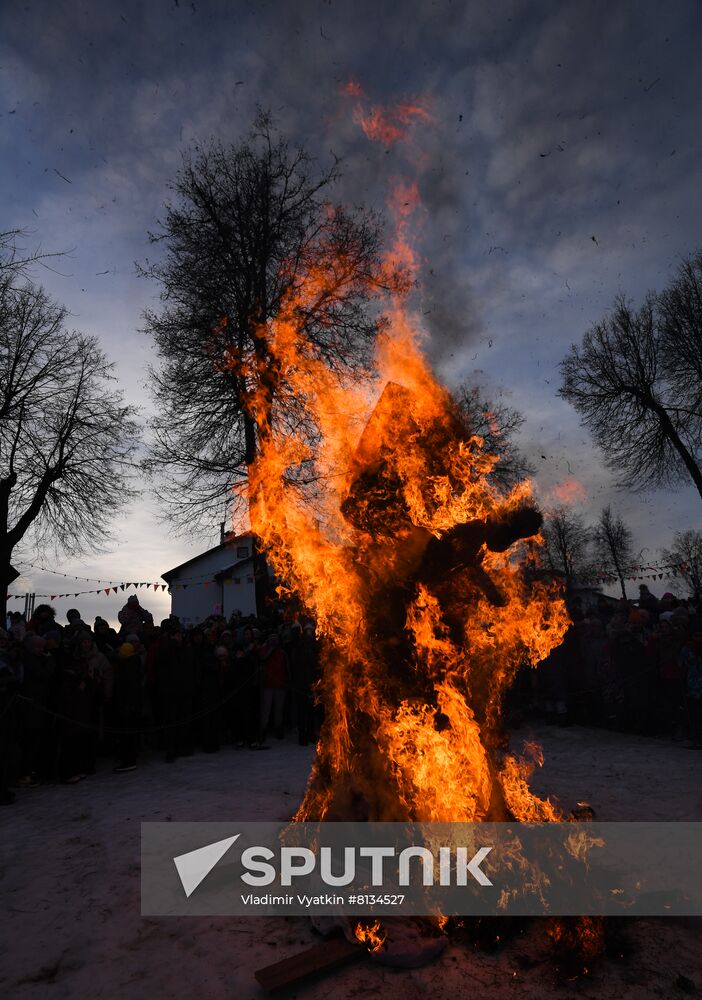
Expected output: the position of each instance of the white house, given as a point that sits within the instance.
(218, 581)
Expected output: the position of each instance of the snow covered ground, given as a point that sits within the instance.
(69, 881)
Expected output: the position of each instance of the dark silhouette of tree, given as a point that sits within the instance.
(246, 224)
(567, 540)
(613, 543)
(622, 381)
(66, 437)
(686, 555)
(680, 317)
(16, 259)
(498, 424)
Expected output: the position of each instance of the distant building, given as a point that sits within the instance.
(218, 581)
(591, 597)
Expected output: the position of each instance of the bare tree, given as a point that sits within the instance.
(66, 437)
(567, 540)
(619, 381)
(613, 544)
(686, 554)
(16, 259)
(498, 424)
(245, 225)
(680, 312)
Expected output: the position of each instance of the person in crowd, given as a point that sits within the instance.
(227, 689)
(594, 660)
(175, 677)
(43, 620)
(275, 679)
(667, 604)
(126, 700)
(75, 627)
(556, 674)
(133, 616)
(302, 660)
(247, 692)
(78, 716)
(18, 626)
(665, 644)
(208, 686)
(691, 668)
(38, 687)
(100, 669)
(647, 601)
(10, 680)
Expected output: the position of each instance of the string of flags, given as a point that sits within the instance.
(663, 571)
(114, 588)
(67, 576)
(88, 579)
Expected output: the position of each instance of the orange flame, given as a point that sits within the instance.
(569, 490)
(352, 88)
(427, 743)
(389, 125)
(371, 935)
(386, 124)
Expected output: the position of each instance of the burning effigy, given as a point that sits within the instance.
(421, 577)
(377, 511)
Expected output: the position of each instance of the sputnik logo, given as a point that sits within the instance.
(195, 866)
(300, 862)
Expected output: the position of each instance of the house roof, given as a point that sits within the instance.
(227, 543)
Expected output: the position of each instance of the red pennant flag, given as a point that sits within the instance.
(53, 597)
(207, 583)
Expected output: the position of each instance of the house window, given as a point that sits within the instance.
(242, 552)
(249, 579)
(237, 579)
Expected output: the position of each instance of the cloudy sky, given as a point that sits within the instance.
(560, 167)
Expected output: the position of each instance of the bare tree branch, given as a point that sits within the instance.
(567, 540)
(246, 224)
(635, 381)
(67, 440)
(613, 545)
(686, 554)
(498, 425)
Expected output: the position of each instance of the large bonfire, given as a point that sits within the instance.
(378, 513)
(419, 573)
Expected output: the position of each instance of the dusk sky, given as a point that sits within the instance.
(560, 167)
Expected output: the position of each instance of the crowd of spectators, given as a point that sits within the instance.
(71, 692)
(630, 666)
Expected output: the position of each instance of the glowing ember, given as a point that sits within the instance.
(371, 935)
(385, 124)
